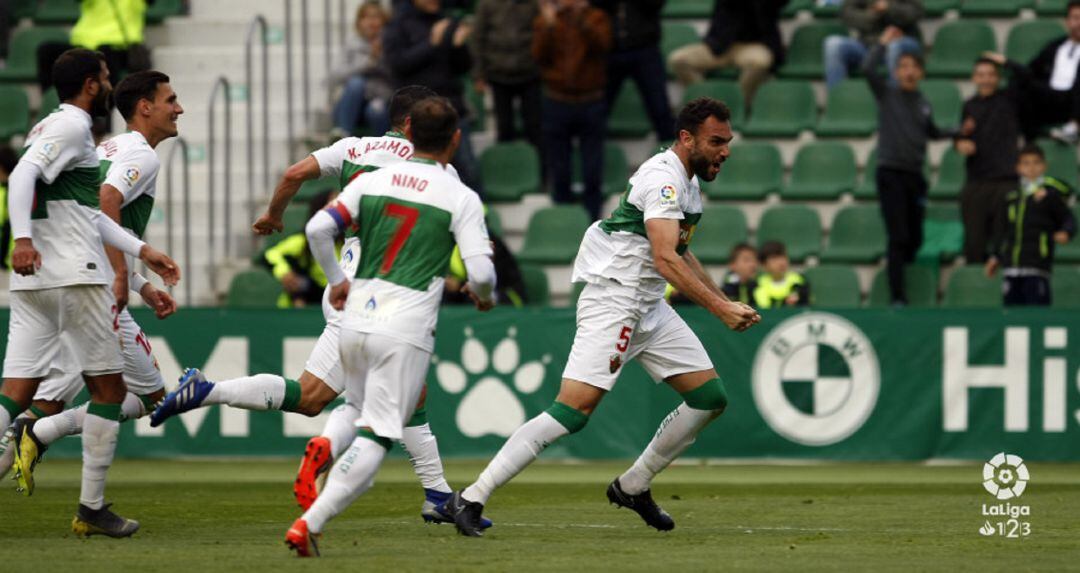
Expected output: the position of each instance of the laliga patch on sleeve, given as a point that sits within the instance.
(131, 175)
(668, 196)
(48, 152)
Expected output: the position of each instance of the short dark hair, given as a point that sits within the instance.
(699, 110)
(984, 60)
(1033, 149)
(739, 249)
(915, 57)
(772, 249)
(135, 87)
(1072, 4)
(404, 99)
(72, 69)
(434, 122)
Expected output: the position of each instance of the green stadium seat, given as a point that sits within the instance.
(956, 47)
(616, 169)
(920, 282)
(1027, 39)
(57, 12)
(937, 8)
(795, 6)
(857, 236)
(945, 212)
(1060, 161)
(950, 179)
(849, 112)
(1069, 252)
(805, 56)
(537, 291)
(494, 221)
(161, 9)
(509, 171)
(49, 102)
(825, 10)
(575, 292)
(253, 289)
(1052, 8)
(969, 288)
(867, 188)
(22, 9)
(721, 228)
(796, 226)
(822, 171)
(782, 108)
(945, 101)
(553, 235)
(309, 189)
(993, 8)
(1065, 287)
(22, 52)
(15, 113)
(627, 117)
(726, 91)
(752, 172)
(833, 286)
(687, 9)
(943, 238)
(675, 35)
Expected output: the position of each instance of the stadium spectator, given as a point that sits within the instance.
(8, 160)
(778, 285)
(502, 61)
(510, 290)
(571, 41)
(1053, 96)
(740, 283)
(425, 47)
(360, 68)
(293, 265)
(868, 19)
(989, 136)
(905, 124)
(636, 54)
(745, 35)
(112, 27)
(1030, 220)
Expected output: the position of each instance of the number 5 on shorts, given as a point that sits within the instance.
(624, 339)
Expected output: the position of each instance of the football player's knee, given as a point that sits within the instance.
(709, 396)
(571, 418)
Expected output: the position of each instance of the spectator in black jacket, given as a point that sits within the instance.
(635, 28)
(502, 54)
(1053, 97)
(1030, 220)
(742, 34)
(424, 47)
(988, 138)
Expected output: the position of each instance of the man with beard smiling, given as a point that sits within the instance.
(626, 262)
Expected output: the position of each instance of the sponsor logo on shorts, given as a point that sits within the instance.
(615, 363)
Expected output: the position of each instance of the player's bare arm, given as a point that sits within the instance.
(111, 200)
(664, 237)
(702, 274)
(304, 170)
(112, 234)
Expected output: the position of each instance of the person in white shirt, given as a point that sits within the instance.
(1053, 97)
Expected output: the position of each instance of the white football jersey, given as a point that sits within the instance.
(131, 166)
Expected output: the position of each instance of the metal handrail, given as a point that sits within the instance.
(182, 145)
(257, 23)
(290, 134)
(327, 31)
(221, 84)
(305, 63)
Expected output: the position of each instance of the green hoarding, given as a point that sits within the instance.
(850, 385)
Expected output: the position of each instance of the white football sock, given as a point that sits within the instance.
(340, 428)
(676, 433)
(351, 476)
(5, 419)
(518, 452)
(423, 450)
(99, 446)
(258, 392)
(70, 422)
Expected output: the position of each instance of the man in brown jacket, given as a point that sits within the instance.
(570, 43)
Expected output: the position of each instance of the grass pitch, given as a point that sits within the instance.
(232, 516)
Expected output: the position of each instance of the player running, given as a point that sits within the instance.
(322, 380)
(129, 167)
(60, 285)
(626, 262)
(410, 216)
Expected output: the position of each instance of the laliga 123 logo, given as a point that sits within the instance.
(1005, 477)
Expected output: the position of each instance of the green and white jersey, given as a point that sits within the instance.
(616, 251)
(350, 157)
(130, 165)
(63, 220)
(410, 216)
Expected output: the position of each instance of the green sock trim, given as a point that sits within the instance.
(107, 411)
(148, 403)
(709, 396)
(419, 418)
(11, 406)
(571, 418)
(37, 412)
(292, 395)
(366, 433)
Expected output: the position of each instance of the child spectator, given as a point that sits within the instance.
(779, 286)
(361, 69)
(292, 263)
(741, 280)
(1029, 221)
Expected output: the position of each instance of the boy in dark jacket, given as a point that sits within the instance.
(1030, 220)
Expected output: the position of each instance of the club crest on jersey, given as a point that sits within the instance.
(615, 363)
(48, 152)
(668, 196)
(131, 175)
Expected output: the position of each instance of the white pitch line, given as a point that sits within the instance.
(743, 528)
